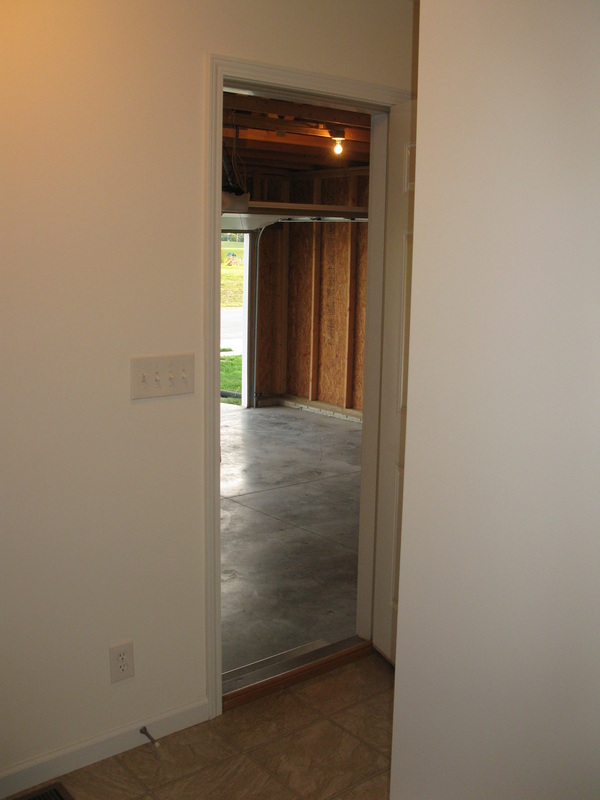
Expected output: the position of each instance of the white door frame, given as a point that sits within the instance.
(245, 296)
(326, 90)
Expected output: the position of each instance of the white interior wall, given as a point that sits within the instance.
(498, 686)
(102, 216)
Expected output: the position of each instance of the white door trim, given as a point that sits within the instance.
(314, 87)
(372, 375)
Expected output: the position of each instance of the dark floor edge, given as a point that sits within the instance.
(52, 791)
(316, 667)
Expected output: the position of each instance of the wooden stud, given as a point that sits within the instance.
(299, 309)
(313, 391)
(351, 300)
(359, 316)
(282, 308)
(350, 316)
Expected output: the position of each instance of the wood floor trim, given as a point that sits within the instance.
(275, 684)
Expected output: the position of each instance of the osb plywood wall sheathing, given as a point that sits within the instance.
(312, 295)
(362, 199)
(300, 311)
(272, 311)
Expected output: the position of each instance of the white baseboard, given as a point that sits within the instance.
(60, 762)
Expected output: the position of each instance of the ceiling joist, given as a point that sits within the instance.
(280, 137)
(298, 111)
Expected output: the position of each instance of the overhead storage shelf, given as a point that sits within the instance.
(260, 214)
(310, 210)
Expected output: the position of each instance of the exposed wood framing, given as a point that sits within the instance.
(360, 316)
(299, 310)
(312, 296)
(333, 313)
(339, 172)
(350, 318)
(281, 136)
(285, 108)
(313, 391)
(282, 306)
(272, 312)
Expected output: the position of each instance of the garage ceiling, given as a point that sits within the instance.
(280, 137)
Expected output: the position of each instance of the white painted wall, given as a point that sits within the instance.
(498, 678)
(102, 140)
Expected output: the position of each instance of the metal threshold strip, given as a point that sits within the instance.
(269, 674)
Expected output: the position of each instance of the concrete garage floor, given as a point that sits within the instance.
(290, 486)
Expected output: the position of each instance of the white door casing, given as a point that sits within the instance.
(312, 88)
(396, 317)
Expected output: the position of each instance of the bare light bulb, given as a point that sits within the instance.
(338, 147)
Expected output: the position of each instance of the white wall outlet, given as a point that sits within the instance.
(161, 376)
(121, 661)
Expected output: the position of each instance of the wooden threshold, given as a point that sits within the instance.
(318, 406)
(275, 684)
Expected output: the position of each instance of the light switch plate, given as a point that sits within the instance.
(162, 376)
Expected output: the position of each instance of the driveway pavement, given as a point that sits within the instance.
(232, 329)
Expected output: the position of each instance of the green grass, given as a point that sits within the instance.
(231, 377)
(232, 275)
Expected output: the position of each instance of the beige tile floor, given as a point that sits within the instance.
(327, 738)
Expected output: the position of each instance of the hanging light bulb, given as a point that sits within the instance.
(338, 135)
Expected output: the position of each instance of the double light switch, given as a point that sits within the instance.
(161, 376)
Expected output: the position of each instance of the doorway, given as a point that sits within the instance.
(289, 537)
(290, 468)
(316, 90)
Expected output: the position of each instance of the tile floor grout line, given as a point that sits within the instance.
(359, 737)
(353, 703)
(290, 734)
(276, 778)
(363, 699)
(186, 775)
(368, 778)
(280, 736)
(129, 771)
(271, 773)
(116, 759)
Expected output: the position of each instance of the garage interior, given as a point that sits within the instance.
(290, 479)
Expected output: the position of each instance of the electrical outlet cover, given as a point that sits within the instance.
(121, 661)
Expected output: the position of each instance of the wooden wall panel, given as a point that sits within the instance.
(362, 190)
(362, 199)
(360, 316)
(350, 316)
(299, 309)
(337, 192)
(312, 299)
(302, 191)
(272, 311)
(269, 188)
(333, 313)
